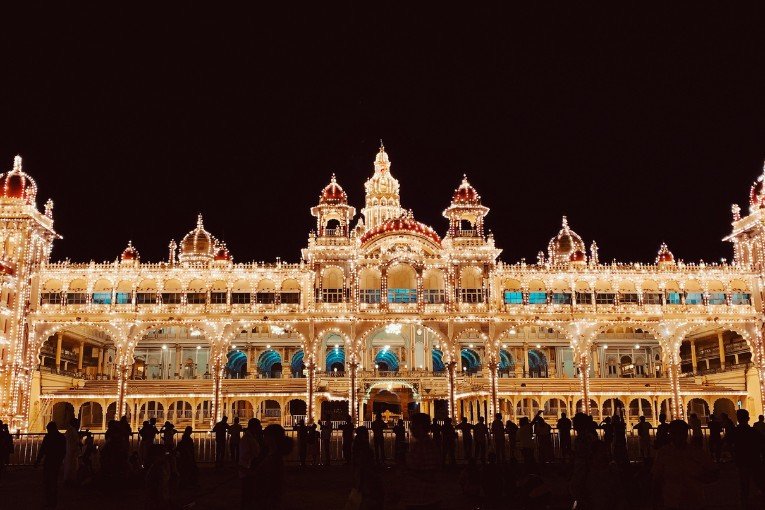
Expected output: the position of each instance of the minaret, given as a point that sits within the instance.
(382, 199)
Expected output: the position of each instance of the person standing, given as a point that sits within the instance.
(302, 441)
(449, 439)
(747, 447)
(168, 432)
(697, 436)
(52, 453)
(312, 440)
(481, 437)
(250, 454)
(526, 443)
(759, 426)
(511, 429)
(644, 437)
(498, 436)
(564, 435)
(399, 445)
(6, 447)
(378, 433)
(347, 428)
(467, 437)
(543, 432)
(715, 438)
(73, 445)
(187, 463)
(269, 472)
(326, 442)
(234, 434)
(620, 440)
(608, 434)
(220, 430)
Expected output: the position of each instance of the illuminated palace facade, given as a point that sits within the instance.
(381, 313)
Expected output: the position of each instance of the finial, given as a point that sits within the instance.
(17, 163)
(49, 208)
(333, 180)
(565, 222)
(464, 180)
(199, 222)
(382, 146)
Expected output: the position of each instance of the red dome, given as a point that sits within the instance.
(466, 194)
(756, 198)
(333, 193)
(222, 253)
(664, 254)
(405, 223)
(17, 184)
(577, 256)
(130, 253)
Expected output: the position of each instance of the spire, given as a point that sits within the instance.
(200, 225)
(382, 162)
(565, 223)
(333, 180)
(17, 163)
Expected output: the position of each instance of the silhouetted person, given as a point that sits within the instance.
(644, 436)
(543, 432)
(728, 427)
(481, 438)
(399, 443)
(326, 442)
(420, 483)
(564, 434)
(759, 426)
(747, 449)
(467, 437)
(6, 447)
(52, 453)
(158, 471)
(251, 452)
(269, 472)
(715, 438)
(347, 429)
(679, 471)
(526, 443)
(72, 459)
(302, 441)
(511, 429)
(449, 443)
(378, 436)
(168, 432)
(697, 436)
(220, 430)
(498, 437)
(620, 440)
(585, 449)
(126, 433)
(436, 429)
(366, 479)
(147, 433)
(234, 436)
(312, 440)
(608, 433)
(86, 456)
(187, 463)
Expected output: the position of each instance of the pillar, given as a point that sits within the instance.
(59, 341)
(217, 407)
(493, 409)
(584, 381)
(80, 355)
(721, 347)
(451, 366)
(596, 360)
(121, 389)
(311, 367)
(100, 360)
(694, 359)
(178, 360)
(676, 403)
(352, 400)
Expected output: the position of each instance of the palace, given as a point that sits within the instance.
(381, 313)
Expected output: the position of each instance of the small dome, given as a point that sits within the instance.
(198, 245)
(129, 253)
(466, 194)
(564, 245)
(664, 256)
(405, 223)
(222, 253)
(577, 256)
(333, 193)
(18, 185)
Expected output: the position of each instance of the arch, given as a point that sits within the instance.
(471, 361)
(91, 415)
(555, 406)
(172, 285)
(270, 411)
(724, 405)
(77, 285)
(593, 407)
(537, 363)
(471, 277)
(613, 406)
(296, 363)
(332, 278)
(62, 413)
(369, 279)
(386, 360)
(700, 408)
(268, 361)
(179, 411)
(241, 409)
(151, 409)
(102, 285)
(297, 407)
(236, 364)
(506, 361)
(433, 279)
(526, 406)
(147, 285)
(335, 359)
(402, 276)
(640, 407)
(266, 285)
(52, 285)
(438, 360)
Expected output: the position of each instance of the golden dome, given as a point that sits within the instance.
(564, 245)
(198, 245)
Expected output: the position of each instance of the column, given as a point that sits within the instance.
(526, 364)
(311, 367)
(217, 376)
(59, 341)
(80, 355)
(584, 382)
(493, 409)
(676, 403)
(596, 360)
(101, 361)
(178, 360)
(694, 359)
(450, 366)
(121, 389)
(352, 400)
(721, 347)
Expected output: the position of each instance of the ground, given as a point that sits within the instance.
(328, 488)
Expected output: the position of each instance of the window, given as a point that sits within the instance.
(76, 298)
(196, 298)
(471, 295)
(171, 298)
(369, 296)
(513, 297)
(332, 295)
(402, 295)
(583, 298)
(434, 296)
(651, 298)
(50, 298)
(538, 298)
(290, 298)
(694, 298)
(741, 298)
(240, 298)
(673, 298)
(628, 298)
(561, 298)
(123, 298)
(146, 298)
(605, 298)
(102, 298)
(717, 298)
(218, 298)
(265, 298)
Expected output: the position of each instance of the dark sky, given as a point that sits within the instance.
(642, 124)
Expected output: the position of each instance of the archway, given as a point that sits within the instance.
(640, 407)
(296, 364)
(236, 365)
(612, 407)
(270, 412)
(62, 413)
(243, 410)
(335, 361)
(526, 406)
(471, 362)
(91, 415)
(438, 361)
(700, 408)
(726, 406)
(537, 363)
(297, 409)
(179, 411)
(404, 400)
(151, 409)
(555, 406)
(270, 364)
(593, 411)
(386, 361)
(506, 364)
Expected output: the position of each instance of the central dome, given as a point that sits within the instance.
(198, 245)
(404, 224)
(564, 245)
(466, 194)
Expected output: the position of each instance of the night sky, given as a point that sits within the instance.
(642, 124)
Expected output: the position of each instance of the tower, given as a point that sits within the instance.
(333, 214)
(382, 199)
(26, 239)
(748, 232)
(465, 213)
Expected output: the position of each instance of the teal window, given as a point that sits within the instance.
(402, 295)
(561, 298)
(537, 298)
(102, 298)
(123, 298)
(717, 298)
(513, 297)
(694, 298)
(673, 298)
(741, 298)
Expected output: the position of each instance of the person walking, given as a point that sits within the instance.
(481, 438)
(187, 462)
(378, 437)
(234, 436)
(399, 444)
(498, 437)
(644, 437)
(302, 440)
(52, 453)
(326, 442)
(564, 435)
(348, 430)
(220, 429)
(467, 437)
